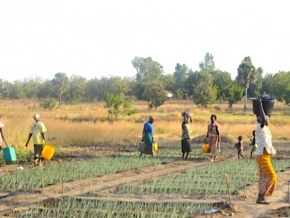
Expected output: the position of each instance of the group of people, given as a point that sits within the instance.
(262, 147)
(36, 132)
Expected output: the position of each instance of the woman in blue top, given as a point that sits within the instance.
(147, 136)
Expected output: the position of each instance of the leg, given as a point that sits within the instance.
(186, 155)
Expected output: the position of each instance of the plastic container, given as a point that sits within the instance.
(47, 152)
(9, 154)
(205, 148)
(268, 105)
(155, 147)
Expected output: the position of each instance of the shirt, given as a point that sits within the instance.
(264, 140)
(36, 129)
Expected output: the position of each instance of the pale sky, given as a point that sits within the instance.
(95, 38)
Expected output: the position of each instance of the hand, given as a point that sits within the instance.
(26, 144)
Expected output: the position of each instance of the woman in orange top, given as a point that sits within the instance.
(213, 136)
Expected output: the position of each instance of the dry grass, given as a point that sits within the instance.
(86, 124)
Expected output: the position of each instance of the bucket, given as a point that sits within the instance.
(47, 152)
(9, 154)
(155, 147)
(268, 105)
(205, 148)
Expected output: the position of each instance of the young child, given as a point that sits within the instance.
(254, 144)
(240, 147)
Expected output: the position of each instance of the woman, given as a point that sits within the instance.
(37, 132)
(267, 175)
(147, 136)
(2, 137)
(186, 135)
(213, 136)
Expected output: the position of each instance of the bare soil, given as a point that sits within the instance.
(242, 204)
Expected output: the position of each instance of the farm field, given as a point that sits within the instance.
(100, 175)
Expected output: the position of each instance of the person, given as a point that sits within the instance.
(2, 136)
(186, 135)
(37, 132)
(213, 136)
(254, 144)
(240, 147)
(148, 137)
(267, 175)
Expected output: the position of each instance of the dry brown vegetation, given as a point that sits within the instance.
(87, 124)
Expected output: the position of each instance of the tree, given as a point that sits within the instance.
(180, 76)
(208, 63)
(204, 91)
(76, 89)
(246, 76)
(235, 94)
(61, 83)
(154, 93)
(256, 87)
(222, 80)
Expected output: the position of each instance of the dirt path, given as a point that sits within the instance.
(100, 187)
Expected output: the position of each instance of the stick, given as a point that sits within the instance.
(228, 185)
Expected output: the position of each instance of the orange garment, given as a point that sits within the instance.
(267, 175)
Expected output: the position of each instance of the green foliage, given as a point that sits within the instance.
(208, 64)
(222, 81)
(179, 94)
(61, 83)
(48, 103)
(204, 93)
(154, 94)
(235, 94)
(76, 88)
(247, 75)
(114, 102)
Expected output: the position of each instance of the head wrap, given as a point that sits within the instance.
(36, 117)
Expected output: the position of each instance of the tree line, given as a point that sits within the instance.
(205, 86)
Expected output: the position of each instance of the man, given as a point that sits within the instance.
(37, 132)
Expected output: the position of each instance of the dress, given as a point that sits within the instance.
(148, 138)
(267, 175)
(213, 134)
(185, 137)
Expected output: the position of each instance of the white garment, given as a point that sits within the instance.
(1, 125)
(264, 140)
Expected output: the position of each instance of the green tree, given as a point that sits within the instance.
(61, 83)
(222, 80)
(205, 93)
(180, 77)
(256, 87)
(246, 76)
(76, 89)
(208, 63)
(235, 94)
(154, 93)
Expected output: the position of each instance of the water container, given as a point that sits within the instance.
(9, 154)
(268, 105)
(47, 152)
(205, 148)
(155, 147)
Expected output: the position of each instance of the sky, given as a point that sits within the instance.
(94, 39)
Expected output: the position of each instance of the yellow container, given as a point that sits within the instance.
(155, 147)
(205, 148)
(47, 152)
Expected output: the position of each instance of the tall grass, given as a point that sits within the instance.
(85, 124)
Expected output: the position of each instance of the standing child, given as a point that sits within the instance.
(254, 144)
(240, 147)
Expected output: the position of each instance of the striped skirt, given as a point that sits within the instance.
(267, 175)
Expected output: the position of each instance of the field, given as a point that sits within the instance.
(97, 171)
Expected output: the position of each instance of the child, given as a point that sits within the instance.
(253, 140)
(240, 147)
(186, 135)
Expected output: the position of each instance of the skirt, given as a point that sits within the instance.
(185, 145)
(267, 175)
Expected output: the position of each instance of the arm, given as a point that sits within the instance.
(3, 137)
(43, 136)
(262, 115)
(29, 136)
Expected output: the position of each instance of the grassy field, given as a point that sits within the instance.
(87, 124)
